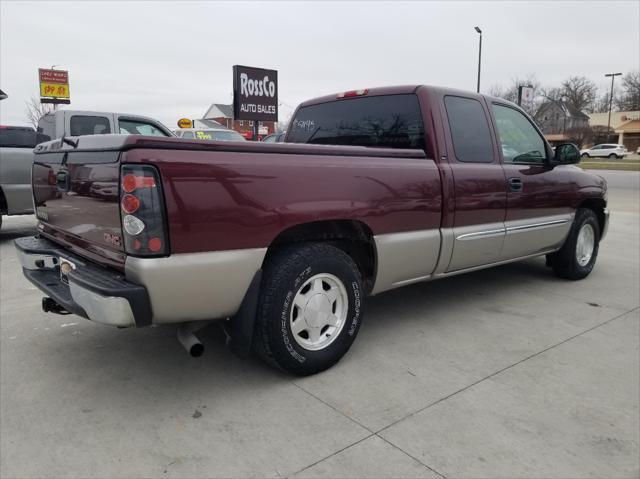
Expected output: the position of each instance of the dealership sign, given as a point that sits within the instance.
(54, 84)
(255, 94)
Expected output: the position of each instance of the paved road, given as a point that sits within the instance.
(508, 372)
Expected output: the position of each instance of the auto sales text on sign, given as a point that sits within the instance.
(255, 93)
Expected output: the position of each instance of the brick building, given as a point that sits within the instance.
(223, 114)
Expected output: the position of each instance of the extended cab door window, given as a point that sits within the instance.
(388, 121)
(89, 125)
(469, 130)
(521, 143)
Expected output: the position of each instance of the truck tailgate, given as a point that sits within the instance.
(76, 198)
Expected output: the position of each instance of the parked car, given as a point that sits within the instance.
(16, 158)
(287, 241)
(606, 150)
(275, 137)
(217, 134)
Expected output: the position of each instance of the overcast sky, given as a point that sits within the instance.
(173, 59)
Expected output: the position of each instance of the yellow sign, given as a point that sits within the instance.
(54, 83)
(185, 123)
(55, 90)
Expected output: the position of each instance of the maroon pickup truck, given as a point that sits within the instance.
(284, 242)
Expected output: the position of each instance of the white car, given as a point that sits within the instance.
(606, 150)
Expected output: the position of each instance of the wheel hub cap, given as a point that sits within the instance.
(319, 311)
(585, 244)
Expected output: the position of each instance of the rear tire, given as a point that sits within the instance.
(577, 257)
(310, 308)
(613, 156)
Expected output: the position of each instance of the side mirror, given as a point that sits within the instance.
(566, 154)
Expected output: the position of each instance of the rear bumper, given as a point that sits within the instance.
(100, 294)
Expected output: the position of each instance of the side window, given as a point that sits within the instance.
(188, 134)
(89, 125)
(134, 127)
(469, 130)
(521, 143)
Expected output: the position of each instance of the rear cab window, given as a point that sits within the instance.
(89, 125)
(386, 121)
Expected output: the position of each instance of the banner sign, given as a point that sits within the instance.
(255, 94)
(54, 83)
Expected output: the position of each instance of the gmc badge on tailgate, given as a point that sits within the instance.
(113, 239)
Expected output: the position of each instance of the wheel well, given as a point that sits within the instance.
(353, 237)
(597, 205)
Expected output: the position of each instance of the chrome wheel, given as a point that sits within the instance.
(585, 244)
(319, 311)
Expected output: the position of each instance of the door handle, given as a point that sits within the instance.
(515, 184)
(62, 180)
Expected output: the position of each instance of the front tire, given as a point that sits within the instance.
(310, 308)
(577, 257)
(584, 156)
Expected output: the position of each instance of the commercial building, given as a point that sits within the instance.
(223, 114)
(625, 124)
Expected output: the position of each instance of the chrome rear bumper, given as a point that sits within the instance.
(96, 293)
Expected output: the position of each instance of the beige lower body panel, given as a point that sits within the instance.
(524, 237)
(405, 258)
(196, 286)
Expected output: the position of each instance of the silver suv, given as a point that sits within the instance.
(606, 150)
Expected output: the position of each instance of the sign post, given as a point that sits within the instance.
(54, 86)
(255, 95)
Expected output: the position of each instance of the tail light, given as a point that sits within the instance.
(142, 211)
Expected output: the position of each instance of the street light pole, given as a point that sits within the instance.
(613, 76)
(479, 57)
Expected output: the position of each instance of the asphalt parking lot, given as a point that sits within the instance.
(508, 372)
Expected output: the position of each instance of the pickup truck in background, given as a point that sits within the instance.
(16, 158)
(17, 143)
(64, 123)
(286, 241)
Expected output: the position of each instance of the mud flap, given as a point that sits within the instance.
(239, 328)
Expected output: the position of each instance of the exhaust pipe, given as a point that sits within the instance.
(189, 340)
(50, 306)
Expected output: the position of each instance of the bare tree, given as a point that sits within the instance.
(601, 103)
(629, 98)
(552, 93)
(36, 110)
(580, 92)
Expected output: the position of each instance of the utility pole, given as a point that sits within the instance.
(613, 76)
(477, 29)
